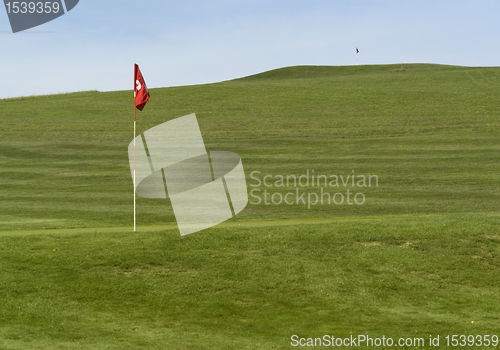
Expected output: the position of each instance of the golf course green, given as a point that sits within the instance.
(415, 255)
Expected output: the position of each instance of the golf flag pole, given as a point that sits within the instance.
(134, 156)
(134, 164)
(141, 97)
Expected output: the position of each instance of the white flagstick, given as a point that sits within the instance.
(134, 158)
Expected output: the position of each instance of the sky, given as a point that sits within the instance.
(95, 45)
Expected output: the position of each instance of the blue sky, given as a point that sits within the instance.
(94, 46)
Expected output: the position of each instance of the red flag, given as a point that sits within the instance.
(141, 93)
(357, 51)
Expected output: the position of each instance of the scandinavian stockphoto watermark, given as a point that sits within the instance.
(367, 341)
(310, 189)
(205, 188)
(28, 14)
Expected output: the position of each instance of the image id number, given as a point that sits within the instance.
(32, 7)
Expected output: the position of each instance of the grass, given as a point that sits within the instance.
(421, 256)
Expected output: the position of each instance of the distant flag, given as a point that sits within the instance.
(141, 93)
(357, 51)
(141, 97)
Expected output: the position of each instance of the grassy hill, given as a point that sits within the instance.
(419, 257)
